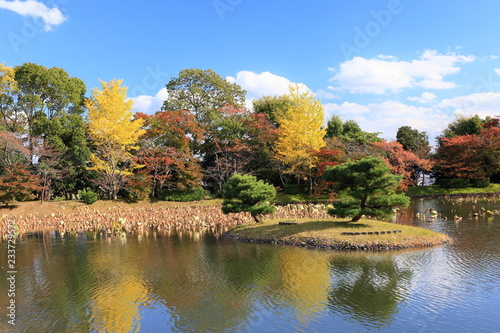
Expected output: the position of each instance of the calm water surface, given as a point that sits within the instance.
(192, 282)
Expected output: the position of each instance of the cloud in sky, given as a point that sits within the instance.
(50, 16)
(425, 98)
(260, 85)
(327, 94)
(385, 74)
(386, 117)
(149, 104)
(482, 104)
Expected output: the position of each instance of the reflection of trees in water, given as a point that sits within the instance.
(305, 279)
(367, 287)
(51, 285)
(208, 287)
(199, 284)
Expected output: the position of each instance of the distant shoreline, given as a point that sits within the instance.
(455, 195)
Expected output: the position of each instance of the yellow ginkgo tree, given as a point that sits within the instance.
(301, 133)
(114, 134)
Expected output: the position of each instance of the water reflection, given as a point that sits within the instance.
(368, 287)
(194, 281)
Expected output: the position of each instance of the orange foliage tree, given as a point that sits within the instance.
(472, 156)
(18, 184)
(166, 150)
(402, 162)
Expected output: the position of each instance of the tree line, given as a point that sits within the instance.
(55, 141)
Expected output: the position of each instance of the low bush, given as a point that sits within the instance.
(480, 183)
(453, 182)
(88, 196)
(189, 194)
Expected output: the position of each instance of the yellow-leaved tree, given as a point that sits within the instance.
(301, 133)
(114, 134)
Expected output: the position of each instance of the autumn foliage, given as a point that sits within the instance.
(402, 162)
(18, 184)
(55, 142)
(114, 134)
(473, 156)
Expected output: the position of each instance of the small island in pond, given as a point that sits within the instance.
(338, 234)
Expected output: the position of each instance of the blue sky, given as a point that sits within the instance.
(384, 64)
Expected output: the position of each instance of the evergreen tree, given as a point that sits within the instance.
(371, 188)
(244, 193)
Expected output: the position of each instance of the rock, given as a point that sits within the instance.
(287, 223)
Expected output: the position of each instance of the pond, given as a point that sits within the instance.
(199, 282)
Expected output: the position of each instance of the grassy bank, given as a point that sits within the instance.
(435, 190)
(339, 234)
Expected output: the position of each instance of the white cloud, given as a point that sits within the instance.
(497, 70)
(326, 94)
(388, 116)
(425, 98)
(383, 74)
(385, 56)
(149, 104)
(50, 16)
(482, 104)
(260, 85)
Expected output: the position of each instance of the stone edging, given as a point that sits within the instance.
(343, 245)
(371, 232)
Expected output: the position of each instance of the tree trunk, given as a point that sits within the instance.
(257, 218)
(356, 218)
(362, 206)
(310, 182)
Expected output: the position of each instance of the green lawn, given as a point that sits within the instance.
(436, 190)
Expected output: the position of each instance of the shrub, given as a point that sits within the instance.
(188, 194)
(480, 183)
(244, 193)
(88, 196)
(453, 182)
(495, 178)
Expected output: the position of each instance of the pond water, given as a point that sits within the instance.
(197, 282)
